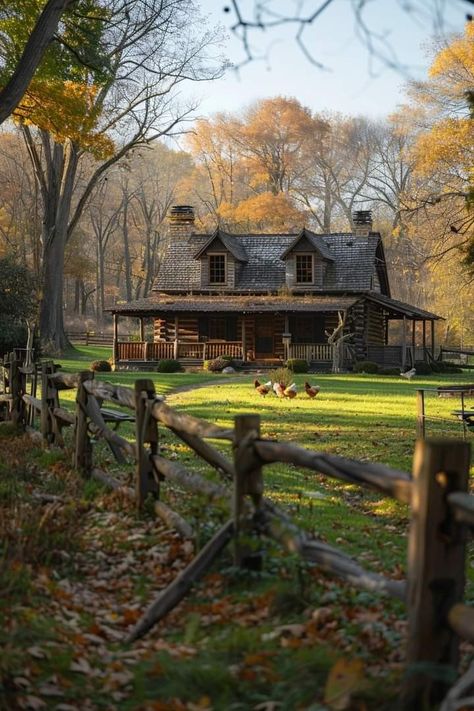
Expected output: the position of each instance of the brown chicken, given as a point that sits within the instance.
(279, 389)
(311, 390)
(263, 388)
(290, 391)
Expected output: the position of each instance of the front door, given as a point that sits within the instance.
(264, 334)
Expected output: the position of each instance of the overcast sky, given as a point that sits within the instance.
(354, 83)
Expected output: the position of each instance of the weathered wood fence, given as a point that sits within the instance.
(442, 511)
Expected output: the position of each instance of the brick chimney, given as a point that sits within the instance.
(362, 220)
(180, 222)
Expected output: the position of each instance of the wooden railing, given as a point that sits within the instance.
(311, 351)
(159, 350)
(442, 511)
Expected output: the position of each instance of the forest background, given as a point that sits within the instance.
(272, 167)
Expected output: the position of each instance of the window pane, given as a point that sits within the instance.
(217, 268)
(304, 268)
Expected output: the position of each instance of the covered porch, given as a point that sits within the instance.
(272, 329)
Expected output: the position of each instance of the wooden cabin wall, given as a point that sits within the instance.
(249, 320)
(375, 328)
(356, 324)
(279, 330)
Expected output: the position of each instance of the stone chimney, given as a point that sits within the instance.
(180, 222)
(362, 220)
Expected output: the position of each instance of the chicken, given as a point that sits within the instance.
(290, 391)
(279, 389)
(263, 388)
(409, 374)
(311, 390)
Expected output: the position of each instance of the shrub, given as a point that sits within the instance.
(216, 365)
(101, 366)
(297, 365)
(281, 375)
(422, 368)
(443, 367)
(389, 371)
(366, 366)
(168, 365)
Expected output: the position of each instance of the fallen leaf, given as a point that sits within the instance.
(343, 680)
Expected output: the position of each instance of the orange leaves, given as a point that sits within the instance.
(67, 110)
(265, 211)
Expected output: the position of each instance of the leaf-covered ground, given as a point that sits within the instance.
(78, 567)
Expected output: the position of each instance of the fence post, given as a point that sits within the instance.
(46, 424)
(420, 414)
(146, 428)
(248, 482)
(15, 390)
(83, 445)
(436, 561)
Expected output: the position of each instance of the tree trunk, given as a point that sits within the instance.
(58, 184)
(37, 43)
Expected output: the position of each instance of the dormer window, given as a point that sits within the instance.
(304, 269)
(217, 269)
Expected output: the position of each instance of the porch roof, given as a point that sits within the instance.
(399, 309)
(234, 304)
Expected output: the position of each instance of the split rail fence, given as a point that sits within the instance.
(442, 511)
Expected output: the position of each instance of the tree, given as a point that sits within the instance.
(266, 16)
(443, 151)
(148, 48)
(17, 303)
(24, 68)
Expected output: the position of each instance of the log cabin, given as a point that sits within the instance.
(266, 298)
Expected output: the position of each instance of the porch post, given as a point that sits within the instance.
(424, 339)
(413, 340)
(115, 345)
(244, 343)
(404, 343)
(432, 338)
(175, 351)
(142, 329)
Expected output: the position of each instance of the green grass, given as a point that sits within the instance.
(359, 416)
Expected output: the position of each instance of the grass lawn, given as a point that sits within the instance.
(242, 640)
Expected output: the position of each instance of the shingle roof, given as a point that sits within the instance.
(234, 246)
(400, 307)
(352, 269)
(316, 240)
(241, 304)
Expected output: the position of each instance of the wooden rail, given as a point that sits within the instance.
(311, 351)
(177, 350)
(442, 511)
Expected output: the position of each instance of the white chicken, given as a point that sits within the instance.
(409, 374)
(279, 389)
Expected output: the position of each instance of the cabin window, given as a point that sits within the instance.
(304, 268)
(307, 329)
(217, 269)
(217, 329)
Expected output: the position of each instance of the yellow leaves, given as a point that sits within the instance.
(67, 110)
(344, 678)
(449, 142)
(458, 55)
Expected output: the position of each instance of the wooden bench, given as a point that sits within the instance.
(115, 417)
(466, 416)
(455, 390)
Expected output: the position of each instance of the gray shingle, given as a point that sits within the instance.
(352, 264)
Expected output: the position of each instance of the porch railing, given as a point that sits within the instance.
(311, 351)
(159, 350)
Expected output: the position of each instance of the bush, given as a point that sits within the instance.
(443, 367)
(101, 366)
(297, 365)
(169, 365)
(17, 304)
(389, 371)
(216, 365)
(422, 368)
(366, 366)
(281, 375)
